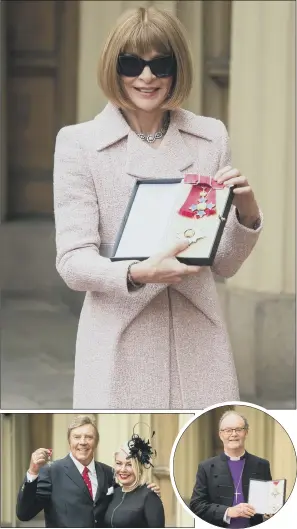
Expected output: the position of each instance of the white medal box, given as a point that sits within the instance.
(152, 223)
(267, 497)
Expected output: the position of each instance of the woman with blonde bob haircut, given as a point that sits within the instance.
(159, 31)
(134, 504)
(158, 314)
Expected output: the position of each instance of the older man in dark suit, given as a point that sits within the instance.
(222, 482)
(74, 491)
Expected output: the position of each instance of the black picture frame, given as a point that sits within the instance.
(268, 481)
(201, 261)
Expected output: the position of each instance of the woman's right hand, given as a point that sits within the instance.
(163, 267)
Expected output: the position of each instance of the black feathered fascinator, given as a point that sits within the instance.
(141, 450)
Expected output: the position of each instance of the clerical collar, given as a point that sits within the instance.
(235, 458)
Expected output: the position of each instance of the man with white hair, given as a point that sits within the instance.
(222, 482)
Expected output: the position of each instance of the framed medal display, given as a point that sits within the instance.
(161, 211)
(267, 497)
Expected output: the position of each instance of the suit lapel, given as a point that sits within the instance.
(143, 161)
(102, 481)
(73, 474)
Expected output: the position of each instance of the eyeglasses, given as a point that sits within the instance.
(229, 431)
(132, 65)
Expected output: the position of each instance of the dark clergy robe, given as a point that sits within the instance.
(214, 488)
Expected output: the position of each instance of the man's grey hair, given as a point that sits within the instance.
(81, 420)
(232, 412)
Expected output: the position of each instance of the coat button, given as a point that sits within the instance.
(215, 476)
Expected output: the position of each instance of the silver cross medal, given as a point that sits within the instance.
(237, 494)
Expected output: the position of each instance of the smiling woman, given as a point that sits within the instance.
(134, 504)
(147, 34)
(159, 314)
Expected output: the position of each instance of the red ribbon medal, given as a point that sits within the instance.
(201, 201)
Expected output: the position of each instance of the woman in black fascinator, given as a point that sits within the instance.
(134, 504)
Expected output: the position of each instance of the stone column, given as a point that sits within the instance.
(14, 462)
(191, 15)
(261, 426)
(192, 448)
(96, 20)
(115, 429)
(7, 471)
(283, 462)
(261, 124)
(133, 4)
(60, 444)
(166, 5)
(183, 459)
(21, 448)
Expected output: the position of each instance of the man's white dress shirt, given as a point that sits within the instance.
(80, 468)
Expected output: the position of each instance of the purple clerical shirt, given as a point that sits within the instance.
(236, 468)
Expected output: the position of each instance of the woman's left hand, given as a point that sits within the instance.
(244, 198)
(155, 488)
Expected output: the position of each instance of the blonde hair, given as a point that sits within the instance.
(141, 473)
(141, 31)
(81, 420)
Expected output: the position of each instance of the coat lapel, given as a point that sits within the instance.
(73, 474)
(143, 161)
(110, 127)
(223, 471)
(102, 481)
(249, 472)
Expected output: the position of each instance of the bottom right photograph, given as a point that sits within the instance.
(234, 466)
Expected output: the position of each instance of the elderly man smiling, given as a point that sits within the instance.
(221, 489)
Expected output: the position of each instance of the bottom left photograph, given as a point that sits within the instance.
(89, 470)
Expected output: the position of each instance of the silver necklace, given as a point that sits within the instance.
(236, 489)
(150, 138)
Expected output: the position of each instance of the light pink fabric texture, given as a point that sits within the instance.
(158, 347)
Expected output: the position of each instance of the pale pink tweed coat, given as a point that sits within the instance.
(158, 347)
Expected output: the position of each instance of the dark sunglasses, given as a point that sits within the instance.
(132, 65)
